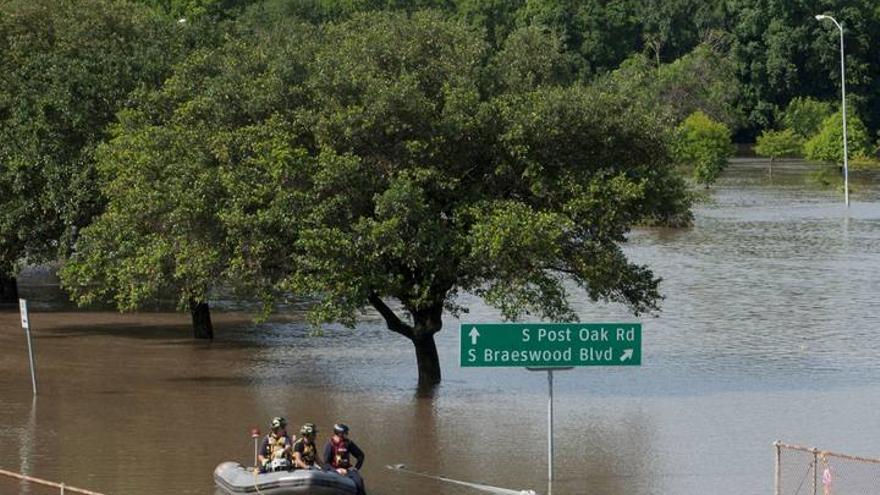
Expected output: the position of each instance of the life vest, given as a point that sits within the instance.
(309, 453)
(341, 458)
(276, 446)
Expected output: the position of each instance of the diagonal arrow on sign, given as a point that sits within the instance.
(473, 335)
(627, 354)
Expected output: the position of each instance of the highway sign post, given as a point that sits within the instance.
(25, 323)
(550, 347)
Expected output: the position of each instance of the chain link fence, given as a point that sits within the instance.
(810, 471)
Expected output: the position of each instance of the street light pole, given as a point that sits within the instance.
(843, 103)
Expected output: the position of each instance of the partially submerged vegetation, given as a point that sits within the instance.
(391, 154)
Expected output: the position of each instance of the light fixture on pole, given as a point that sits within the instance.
(821, 17)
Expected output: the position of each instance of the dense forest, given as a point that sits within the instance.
(363, 150)
(776, 50)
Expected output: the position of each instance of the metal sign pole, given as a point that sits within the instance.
(550, 422)
(22, 304)
(550, 434)
(550, 347)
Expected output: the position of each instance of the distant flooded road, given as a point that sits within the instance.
(769, 331)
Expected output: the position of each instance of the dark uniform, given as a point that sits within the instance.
(308, 452)
(337, 455)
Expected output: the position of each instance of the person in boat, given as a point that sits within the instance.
(305, 450)
(276, 448)
(338, 453)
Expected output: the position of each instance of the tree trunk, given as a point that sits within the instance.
(427, 322)
(8, 289)
(201, 318)
(428, 361)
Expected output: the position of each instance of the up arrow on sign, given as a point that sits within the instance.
(473, 335)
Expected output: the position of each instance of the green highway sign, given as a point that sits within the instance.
(545, 345)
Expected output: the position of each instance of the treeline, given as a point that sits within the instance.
(777, 50)
(764, 55)
(384, 154)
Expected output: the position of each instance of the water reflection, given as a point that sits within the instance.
(27, 440)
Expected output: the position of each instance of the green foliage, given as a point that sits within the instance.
(601, 33)
(779, 144)
(826, 176)
(66, 67)
(776, 49)
(703, 80)
(191, 9)
(192, 176)
(496, 17)
(782, 52)
(371, 159)
(773, 51)
(703, 144)
(805, 115)
(672, 28)
(827, 145)
(532, 57)
(699, 81)
(321, 11)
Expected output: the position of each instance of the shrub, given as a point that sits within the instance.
(779, 144)
(703, 144)
(827, 144)
(805, 115)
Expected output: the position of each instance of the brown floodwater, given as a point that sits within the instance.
(768, 332)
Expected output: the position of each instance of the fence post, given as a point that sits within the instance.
(62, 488)
(815, 471)
(778, 471)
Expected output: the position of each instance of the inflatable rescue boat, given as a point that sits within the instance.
(233, 478)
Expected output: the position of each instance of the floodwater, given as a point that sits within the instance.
(768, 332)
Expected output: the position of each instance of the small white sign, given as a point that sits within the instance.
(22, 304)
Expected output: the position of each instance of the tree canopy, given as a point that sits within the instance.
(703, 144)
(779, 144)
(804, 116)
(66, 67)
(386, 169)
(827, 144)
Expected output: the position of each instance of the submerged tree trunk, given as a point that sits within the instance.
(428, 361)
(201, 319)
(427, 322)
(8, 289)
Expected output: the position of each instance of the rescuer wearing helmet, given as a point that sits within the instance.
(275, 450)
(338, 453)
(305, 450)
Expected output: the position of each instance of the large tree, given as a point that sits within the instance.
(66, 67)
(437, 185)
(189, 175)
(376, 163)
